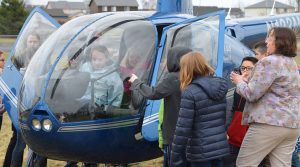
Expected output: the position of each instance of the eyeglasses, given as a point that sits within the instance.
(242, 68)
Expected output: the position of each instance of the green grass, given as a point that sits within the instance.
(7, 40)
(5, 55)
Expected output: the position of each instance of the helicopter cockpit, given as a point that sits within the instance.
(82, 73)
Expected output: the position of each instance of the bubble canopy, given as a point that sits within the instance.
(81, 71)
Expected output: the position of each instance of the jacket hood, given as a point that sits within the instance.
(87, 67)
(215, 87)
(174, 56)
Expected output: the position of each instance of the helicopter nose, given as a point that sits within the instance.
(40, 120)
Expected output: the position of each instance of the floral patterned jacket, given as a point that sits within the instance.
(272, 93)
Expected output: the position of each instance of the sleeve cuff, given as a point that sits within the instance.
(240, 86)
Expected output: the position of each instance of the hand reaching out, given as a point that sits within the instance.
(133, 78)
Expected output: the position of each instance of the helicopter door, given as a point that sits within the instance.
(37, 27)
(204, 34)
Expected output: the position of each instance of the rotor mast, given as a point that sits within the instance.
(174, 6)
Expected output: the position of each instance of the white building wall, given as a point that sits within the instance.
(72, 12)
(265, 11)
(256, 12)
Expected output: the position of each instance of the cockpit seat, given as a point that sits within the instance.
(64, 90)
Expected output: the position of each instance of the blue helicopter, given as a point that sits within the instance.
(51, 99)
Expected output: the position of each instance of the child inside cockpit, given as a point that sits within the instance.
(106, 84)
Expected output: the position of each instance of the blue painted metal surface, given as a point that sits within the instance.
(106, 141)
(174, 6)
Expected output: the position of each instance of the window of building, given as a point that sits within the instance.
(104, 8)
(113, 9)
(126, 8)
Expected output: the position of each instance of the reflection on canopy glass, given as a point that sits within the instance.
(90, 80)
(35, 33)
(199, 36)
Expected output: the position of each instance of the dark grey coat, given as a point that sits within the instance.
(168, 89)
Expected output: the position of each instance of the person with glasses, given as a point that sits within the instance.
(2, 61)
(236, 131)
(272, 103)
(13, 139)
(2, 109)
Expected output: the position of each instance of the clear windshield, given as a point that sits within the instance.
(199, 36)
(45, 56)
(36, 32)
(89, 81)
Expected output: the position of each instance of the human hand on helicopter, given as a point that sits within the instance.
(132, 78)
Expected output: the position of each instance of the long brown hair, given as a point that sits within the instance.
(285, 41)
(192, 65)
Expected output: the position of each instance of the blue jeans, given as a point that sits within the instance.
(211, 163)
(295, 160)
(34, 160)
(10, 147)
(17, 155)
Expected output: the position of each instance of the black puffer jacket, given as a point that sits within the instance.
(168, 88)
(200, 131)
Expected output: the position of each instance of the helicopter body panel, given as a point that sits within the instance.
(95, 141)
